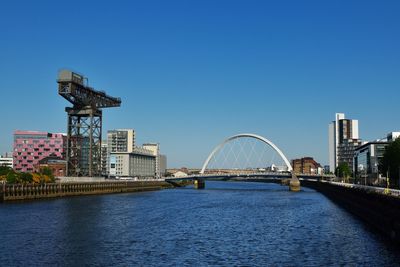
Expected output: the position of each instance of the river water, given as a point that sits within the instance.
(227, 224)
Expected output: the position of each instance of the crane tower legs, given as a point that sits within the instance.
(84, 142)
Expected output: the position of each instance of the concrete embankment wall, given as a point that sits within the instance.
(380, 211)
(12, 192)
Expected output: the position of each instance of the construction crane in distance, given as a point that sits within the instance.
(84, 129)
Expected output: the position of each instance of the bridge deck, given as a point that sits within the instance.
(275, 175)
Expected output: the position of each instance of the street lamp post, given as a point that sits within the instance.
(365, 177)
(387, 181)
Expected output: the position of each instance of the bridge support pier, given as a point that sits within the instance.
(199, 184)
(294, 184)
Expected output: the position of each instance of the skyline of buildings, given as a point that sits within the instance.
(35, 149)
(362, 157)
(344, 141)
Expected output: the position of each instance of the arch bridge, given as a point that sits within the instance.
(294, 184)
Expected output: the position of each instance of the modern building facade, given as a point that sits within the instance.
(137, 164)
(346, 151)
(121, 141)
(343, 139)
(366, 162)
(118, 141)
(31, 146)
(367, 158)
(306, 165)
(125, 159)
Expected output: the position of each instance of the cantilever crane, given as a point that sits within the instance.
(83, 152)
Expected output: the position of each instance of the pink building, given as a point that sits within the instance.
(31, 146)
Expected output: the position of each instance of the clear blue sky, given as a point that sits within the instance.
(191, 73)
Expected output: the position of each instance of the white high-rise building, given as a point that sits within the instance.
(343, 139)
(119, 141)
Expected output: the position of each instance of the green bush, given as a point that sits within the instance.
(12, 178)
(343, 170)
(25, 177)
(48, 172)
(390, 163)
(5, 170)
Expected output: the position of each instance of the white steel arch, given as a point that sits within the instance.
(255, 136)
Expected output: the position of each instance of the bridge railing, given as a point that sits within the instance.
(252, 174)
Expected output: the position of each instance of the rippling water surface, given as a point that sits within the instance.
(227, 224)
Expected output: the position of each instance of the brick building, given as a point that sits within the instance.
(306, 165)
(57, 165)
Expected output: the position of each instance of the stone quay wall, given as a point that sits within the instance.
(13, 192)
(376, 208)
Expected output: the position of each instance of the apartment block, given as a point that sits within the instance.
(32, 146)
(343, 139)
